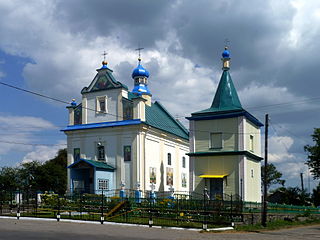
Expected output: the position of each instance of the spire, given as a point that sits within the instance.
(226, 97)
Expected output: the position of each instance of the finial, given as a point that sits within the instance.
(226, 59)
(139, 49)
(104, 62)
(73, 103)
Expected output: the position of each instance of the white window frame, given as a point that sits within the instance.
(103, 184)
(211, 143)
(98, 100)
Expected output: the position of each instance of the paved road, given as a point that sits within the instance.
(31, 229)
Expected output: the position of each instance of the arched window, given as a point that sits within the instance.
(169, 158)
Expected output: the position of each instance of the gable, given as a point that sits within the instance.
(104, 80)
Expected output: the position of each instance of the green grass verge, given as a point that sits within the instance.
(276, 225)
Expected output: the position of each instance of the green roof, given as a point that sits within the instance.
(96, 164)
(157, 116)
(226, 97)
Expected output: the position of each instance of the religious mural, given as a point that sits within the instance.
(169, 176)
(153, 175)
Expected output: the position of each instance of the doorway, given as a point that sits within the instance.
(216, 188)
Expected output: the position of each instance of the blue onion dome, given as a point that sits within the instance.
(226, 53)
(140, 71)
(73, 103)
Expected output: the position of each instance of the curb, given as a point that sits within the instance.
(114, 223)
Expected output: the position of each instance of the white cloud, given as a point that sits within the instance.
(279, 149)
(17, 130)
(43, 153)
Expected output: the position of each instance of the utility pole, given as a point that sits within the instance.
(265, 189)
(301, 177)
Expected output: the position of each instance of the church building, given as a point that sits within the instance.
(225, 148)
(120, 138)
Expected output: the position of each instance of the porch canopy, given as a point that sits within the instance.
(85, 175)
(213, 176)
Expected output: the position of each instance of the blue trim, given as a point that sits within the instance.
(221, 115)
(101, 125)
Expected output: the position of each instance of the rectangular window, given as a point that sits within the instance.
(103, 184)
(252, 175)
(251, 143)
(127, 153)
(101, 104)
(184, 162)
(169, 158)
(76, 154)
(100, 150)
(216, 140)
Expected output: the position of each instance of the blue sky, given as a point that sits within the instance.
(54, 48)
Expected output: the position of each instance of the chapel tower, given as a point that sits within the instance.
(225, 148)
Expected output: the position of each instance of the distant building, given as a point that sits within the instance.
(225, 148)
(119, 137)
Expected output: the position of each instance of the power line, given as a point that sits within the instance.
(51, 98)
(32, 144)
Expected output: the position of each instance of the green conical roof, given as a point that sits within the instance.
(226, 97)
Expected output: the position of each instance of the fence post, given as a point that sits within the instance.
(18, 207)
(231, 213)
(58, 213)
(205, 224)
(102, 200)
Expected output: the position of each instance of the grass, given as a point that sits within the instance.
(276, 225)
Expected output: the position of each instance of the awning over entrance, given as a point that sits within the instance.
(213, 176)
(94, 164)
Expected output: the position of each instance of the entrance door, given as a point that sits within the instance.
(216, 188)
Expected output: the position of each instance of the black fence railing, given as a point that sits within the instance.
(151, 208)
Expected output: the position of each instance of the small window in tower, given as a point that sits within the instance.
(184, 162)
(216, 140)
(251, 143)
(101, 105)
(252, 175)
(169, 158)
(76, 154)
(100, 150)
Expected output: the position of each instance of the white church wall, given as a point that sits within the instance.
(252, 180)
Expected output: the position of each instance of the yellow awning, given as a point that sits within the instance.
(212, 176)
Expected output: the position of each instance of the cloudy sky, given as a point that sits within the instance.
(53, 48)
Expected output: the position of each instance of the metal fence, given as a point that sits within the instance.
(151, 208)
(180, 209)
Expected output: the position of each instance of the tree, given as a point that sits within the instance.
(273, 176)
(8, 179)
(34, 176)
(316, 196)
(314, 154)
(290, 195)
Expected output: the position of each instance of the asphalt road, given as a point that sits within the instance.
(31, 229)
